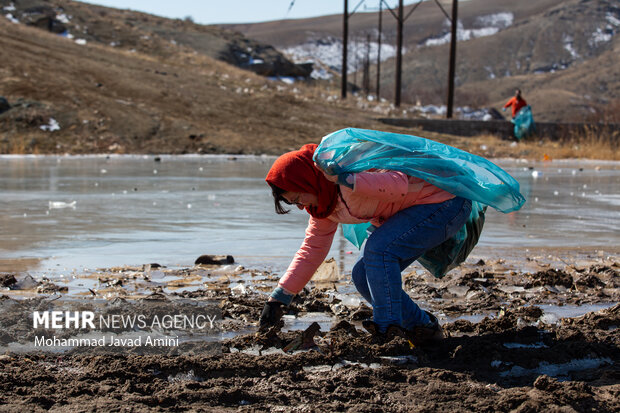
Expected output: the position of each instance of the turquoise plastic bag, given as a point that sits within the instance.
(452, 252)
(458, 172)
(524, 123)
(451, 169)
(356, 233)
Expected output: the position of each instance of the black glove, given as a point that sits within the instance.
(271, 315)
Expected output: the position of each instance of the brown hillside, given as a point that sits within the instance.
(106, 99)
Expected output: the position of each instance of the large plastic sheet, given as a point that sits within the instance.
(524, 123)
(458, 172)
(453, 170)
(449, 254)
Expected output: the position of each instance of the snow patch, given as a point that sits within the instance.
(431, 109)
(499, 20)
(599, 36)
(289, 80)
(483, 26)
(568, 46)
(11, 18)
(462, 112)
(63, 18)
(551, 69)
(328, 51)
(490, 70)
(612, 19)
(80, 41)
(51, 126)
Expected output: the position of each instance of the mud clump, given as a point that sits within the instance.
(7, 280)
(589, 281)
(550, 277)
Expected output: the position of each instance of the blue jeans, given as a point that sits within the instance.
(392, 247)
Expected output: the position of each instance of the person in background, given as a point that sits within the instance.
(409, 216)
(517, 102)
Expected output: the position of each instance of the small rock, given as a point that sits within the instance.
(214, 260)
(7, 280)
(4, 104)
(547, 383)
(51, 288)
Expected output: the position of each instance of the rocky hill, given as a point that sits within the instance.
(81, 79)
(78, 78)
(149, 34)
(562, 53)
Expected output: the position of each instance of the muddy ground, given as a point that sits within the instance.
(504, 350)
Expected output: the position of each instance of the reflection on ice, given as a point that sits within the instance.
(61, 205)
(148, 220)
(553, 313)
(560, 371)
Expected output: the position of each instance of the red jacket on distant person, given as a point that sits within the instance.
(517, 103)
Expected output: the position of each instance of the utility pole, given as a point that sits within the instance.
(399, 53)
(399, 44)
(452, 70)
(345, 39)
(379, 52)
(366, 81)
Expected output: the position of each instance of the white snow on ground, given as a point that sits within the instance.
(612, 19)
(51, 126)
(431, 109)
(11, 18)
(552, 69)
(500, 20)
(11, 7)
(63, 18)
(490, 70)
(328, 52)
(464, 112)
(80, 41)
(568, 46)
(486, 26)
(599, 36)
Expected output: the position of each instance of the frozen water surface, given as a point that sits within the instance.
(85, 212)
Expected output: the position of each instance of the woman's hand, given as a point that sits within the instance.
(271, 315)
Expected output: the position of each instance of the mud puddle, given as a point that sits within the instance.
(509, 345)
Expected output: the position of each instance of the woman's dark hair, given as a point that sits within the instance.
(278, 199)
